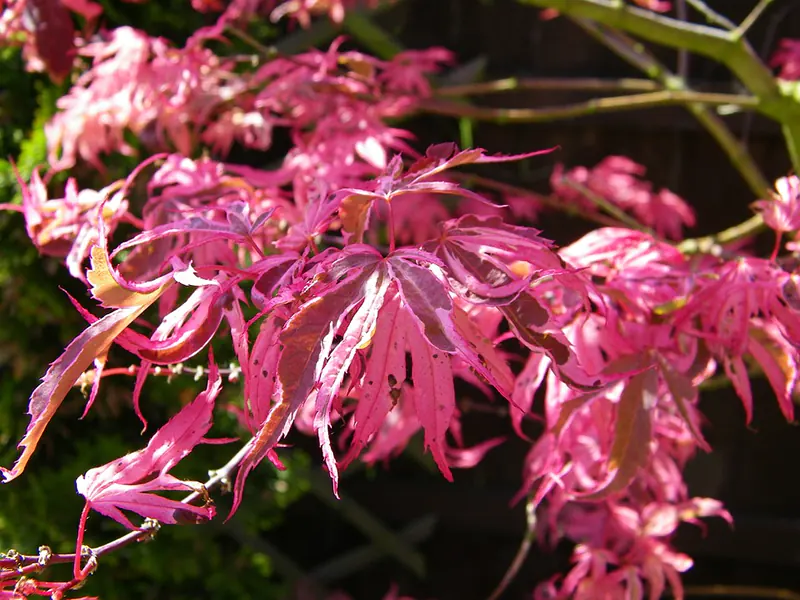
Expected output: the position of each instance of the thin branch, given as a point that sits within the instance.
(750, 20)
(511, 84)
(590, 107)
(549, 201)
(607, 206)
(522, 552)
(635, 54)
(368, 524)
(266, 52)
(710, 243)
(712, 16)
(358, 559)
(713, 42)
(14, 562)
(723, 46)
(682, 67)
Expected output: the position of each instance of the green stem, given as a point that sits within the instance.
(710, 243)
(470, 179)
(635, 54)
(266, 52)
(522, 552)
(590, 107)
(607, 206)
(750, 20)
(728, 48)
(363, 520)
(712, 16)
(700, 39)
(548, 83)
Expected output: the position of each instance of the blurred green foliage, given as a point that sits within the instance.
(37, 321)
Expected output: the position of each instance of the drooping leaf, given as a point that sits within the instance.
(261, 375)
(382, 380)
(777, 359)
(632, 434)
(91, 344)
(54, 35)
(685, 395)
(434, 395)
(527, 320)
(467, 458)
(127, 483)
(736, 371)
(427, 298)
(306, 342)
(191, 337)
(358, 334)
(112, 291)
(481, 354)
(525, 387)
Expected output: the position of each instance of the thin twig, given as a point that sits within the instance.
(219, 477)
(712, 16)
(607, 206)
(750, 19)
(635, 54)
(726, 47)
(590, 107)
(358, 559)
(511, 84)
(266, 52)
(368, 524)
(522, 552)
(709, 243)
(549, 201)
(682, 67)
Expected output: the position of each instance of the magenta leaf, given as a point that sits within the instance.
(357, 334)
(684, 393)
(434, 396)
(261, 374)
(126, 484)
(54, 35)
(382, 381)
(427, 299)
(306, 341)
(777, 358)
(632, 434)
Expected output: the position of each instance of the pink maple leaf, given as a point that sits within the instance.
(620, 180)
(356, 298)
(654, 5)
(787, 58)
(128, 483)
(782, 212)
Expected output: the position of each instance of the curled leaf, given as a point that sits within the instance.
(632, 434)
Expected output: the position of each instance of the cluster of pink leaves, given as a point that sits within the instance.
(334, 103)
(787, 59)
(619, 327)
(46, 28)
(620, 181)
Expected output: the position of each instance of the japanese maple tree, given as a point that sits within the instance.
(360, 277)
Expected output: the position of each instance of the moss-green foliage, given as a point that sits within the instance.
(36, 322)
